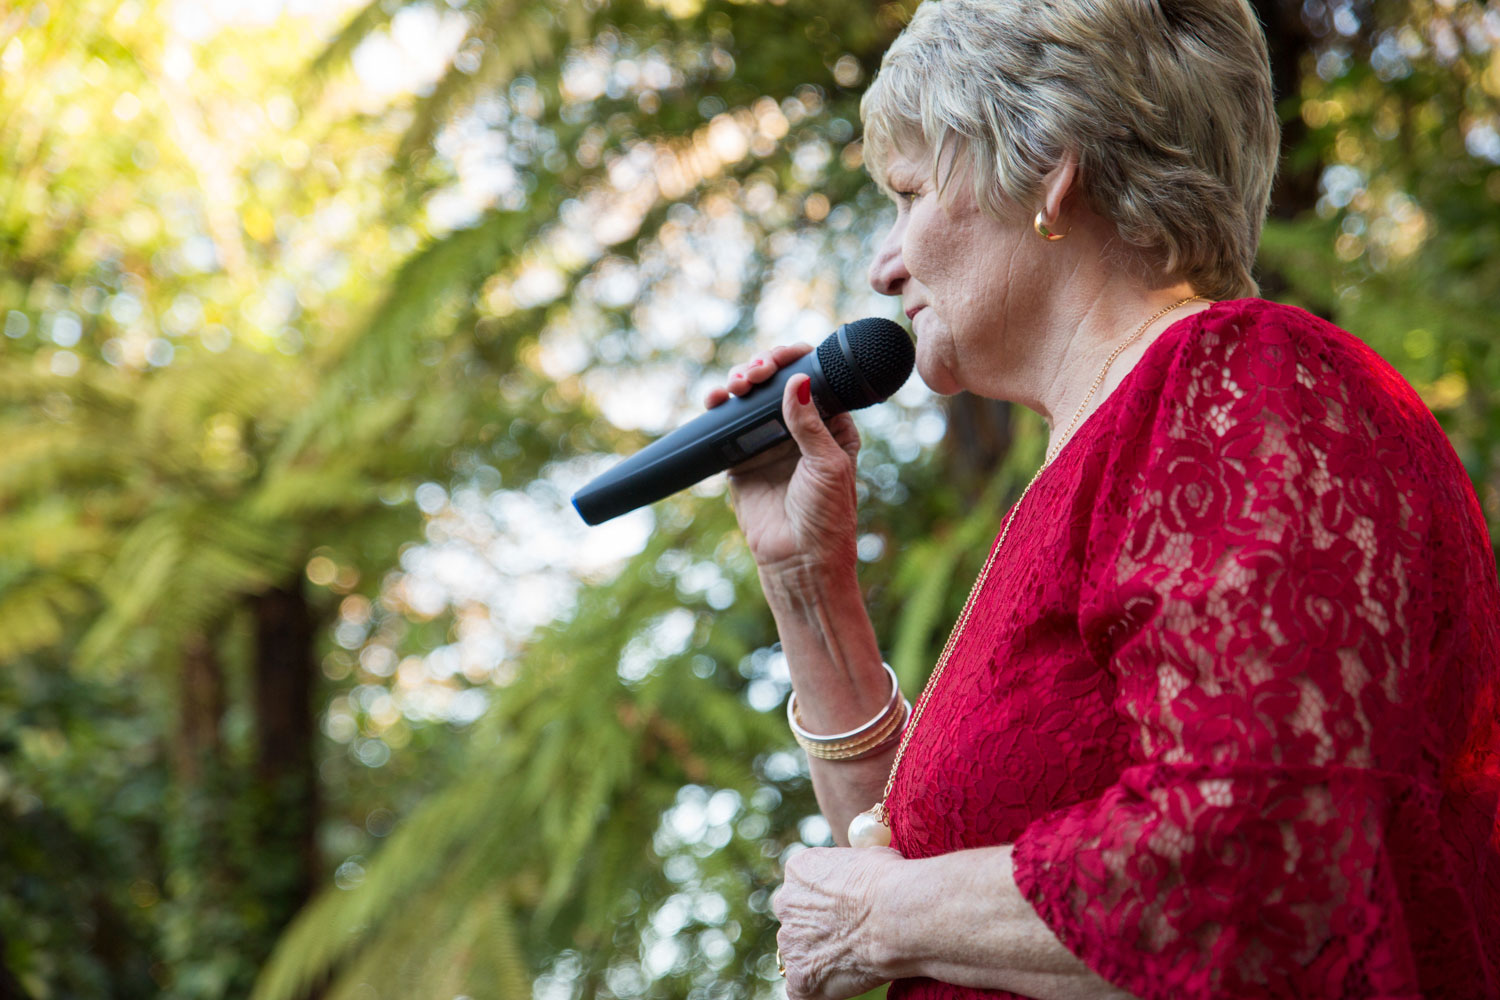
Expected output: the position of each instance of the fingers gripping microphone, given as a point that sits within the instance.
(858, 364)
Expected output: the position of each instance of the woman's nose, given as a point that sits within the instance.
(888, 272)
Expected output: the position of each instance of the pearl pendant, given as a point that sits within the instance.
(866, 830)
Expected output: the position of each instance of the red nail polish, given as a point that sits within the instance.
(804, 392)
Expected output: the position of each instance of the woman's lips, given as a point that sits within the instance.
(912, 312)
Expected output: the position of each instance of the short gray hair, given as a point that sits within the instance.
(1167, 104)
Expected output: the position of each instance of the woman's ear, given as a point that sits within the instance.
(1058, 184)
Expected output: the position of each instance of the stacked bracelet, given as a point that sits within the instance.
(869, 739)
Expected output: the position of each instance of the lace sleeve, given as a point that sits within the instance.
(1263, 584)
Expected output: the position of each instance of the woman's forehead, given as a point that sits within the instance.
(912, 163)
(907, 162)
(905, 159)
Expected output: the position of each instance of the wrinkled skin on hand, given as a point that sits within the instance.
(827, 907)
(796, 502)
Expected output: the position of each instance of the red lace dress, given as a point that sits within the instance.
(1231, 687)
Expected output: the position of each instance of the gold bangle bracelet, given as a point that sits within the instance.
(876, 742)
(863, 741)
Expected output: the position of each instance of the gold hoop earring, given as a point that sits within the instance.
(1045, 232)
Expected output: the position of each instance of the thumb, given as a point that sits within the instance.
(805, 424)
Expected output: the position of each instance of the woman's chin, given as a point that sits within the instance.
(936, 376)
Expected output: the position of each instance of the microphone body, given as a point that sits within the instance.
(858, 364)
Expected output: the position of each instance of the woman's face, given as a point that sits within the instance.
(958, 271)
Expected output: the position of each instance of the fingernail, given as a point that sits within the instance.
(756, 364)
(804, 392)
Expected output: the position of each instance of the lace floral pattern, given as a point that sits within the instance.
(1231, 690)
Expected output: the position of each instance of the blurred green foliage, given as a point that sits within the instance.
(309, 683)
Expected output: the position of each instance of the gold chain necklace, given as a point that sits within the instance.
(872, 828)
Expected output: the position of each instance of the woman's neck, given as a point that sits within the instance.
(1084, 337)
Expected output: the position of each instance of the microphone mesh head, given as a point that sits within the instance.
(883, 354)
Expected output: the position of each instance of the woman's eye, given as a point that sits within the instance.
(905, 198)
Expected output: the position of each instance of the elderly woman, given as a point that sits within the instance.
(1219, 717)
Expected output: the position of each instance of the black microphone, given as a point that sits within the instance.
(858, 364)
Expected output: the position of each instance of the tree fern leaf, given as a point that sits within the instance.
(39, 458)
(518, 39)
(500, 954)
(397, 957)
(365, 22)
(384, 351)
(141, 573)
(590, 806)
(32, 614)
(338, 921)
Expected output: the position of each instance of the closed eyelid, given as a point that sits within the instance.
(903, 195)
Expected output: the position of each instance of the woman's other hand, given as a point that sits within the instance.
(826, 906)
(796, 502)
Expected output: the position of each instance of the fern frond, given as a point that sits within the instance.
(519, 38)
(33, 614)
(365, 22)
(498, 959)
(590, 803)
(181, 567)
(176, 403)
(338, 921)
(385, 352)
(44, 457)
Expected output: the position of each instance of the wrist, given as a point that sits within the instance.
(799, 586)
(871, 739)
(831, 651)
(883, 949)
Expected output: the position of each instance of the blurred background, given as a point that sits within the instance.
(315, 313)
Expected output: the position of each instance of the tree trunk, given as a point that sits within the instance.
(200, 710)
(1290, 42)
(977, 441)
(285, 630)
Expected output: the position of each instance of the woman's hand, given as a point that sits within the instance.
(795, 502)
(853, 918)
(825, 908)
